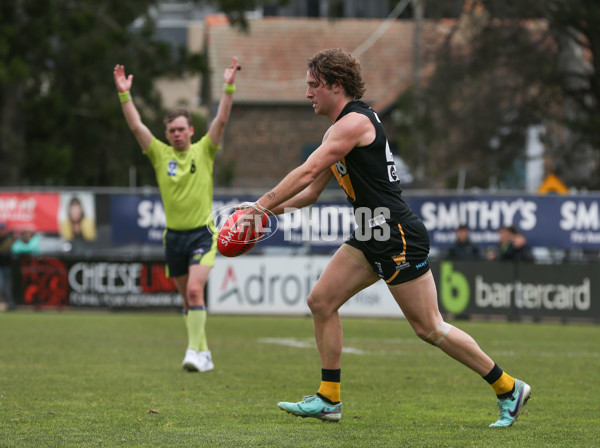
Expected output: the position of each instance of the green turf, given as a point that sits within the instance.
(75, 379)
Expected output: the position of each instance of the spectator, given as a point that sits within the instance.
(513, 246)
(519, 249)
(28, 243)
(6, 241)
(463, 248)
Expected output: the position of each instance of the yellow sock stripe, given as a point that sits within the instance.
(504, 384)
(330, 390)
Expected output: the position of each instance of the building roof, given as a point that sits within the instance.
(274, 52)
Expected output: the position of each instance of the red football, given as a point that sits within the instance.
(229, 242)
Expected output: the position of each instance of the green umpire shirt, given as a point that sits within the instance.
(185, 182)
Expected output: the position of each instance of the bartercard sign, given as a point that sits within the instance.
(518, 290)
(280, 285)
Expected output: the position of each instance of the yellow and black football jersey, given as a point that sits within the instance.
(368, 173)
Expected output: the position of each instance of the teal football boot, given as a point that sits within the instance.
(511, 407)
(313, 406)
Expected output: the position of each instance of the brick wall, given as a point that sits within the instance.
(263, 143)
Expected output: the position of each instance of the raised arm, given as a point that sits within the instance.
(217, 127)
(132, 116)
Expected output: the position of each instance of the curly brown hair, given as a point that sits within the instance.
(337, 64)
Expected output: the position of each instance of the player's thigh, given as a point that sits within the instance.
(347, 273)
(418, 301)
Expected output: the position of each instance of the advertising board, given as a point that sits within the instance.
(546, 221)
(103, 282)
(280, 285)
(518, 290)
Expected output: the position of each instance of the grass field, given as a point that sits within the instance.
(77, 379)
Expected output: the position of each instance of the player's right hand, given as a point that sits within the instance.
(122, 82)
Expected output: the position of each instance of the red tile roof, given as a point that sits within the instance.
(274, 53)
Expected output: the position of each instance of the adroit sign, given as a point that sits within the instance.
(280, 285)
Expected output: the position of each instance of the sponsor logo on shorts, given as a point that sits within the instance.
(422, 264)
(379, 269)
(198, 254)
(400, 261)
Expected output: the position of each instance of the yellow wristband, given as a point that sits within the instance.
(229, 88)
(125, 96)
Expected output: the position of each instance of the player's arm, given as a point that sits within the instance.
(217, 126)
(307, 196)
(352, 130)
(132, 116)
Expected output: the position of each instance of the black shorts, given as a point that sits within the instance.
(397, 257)
(184, 248)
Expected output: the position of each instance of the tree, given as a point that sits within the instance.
(59, 57)
(499, 70)
(60, 121)
(575, 27)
